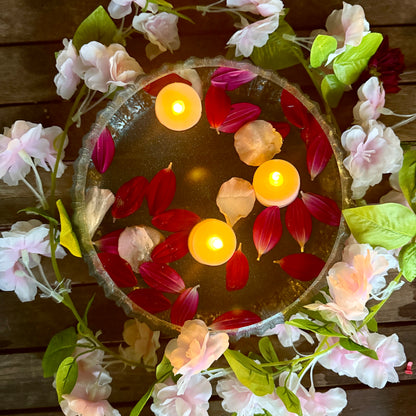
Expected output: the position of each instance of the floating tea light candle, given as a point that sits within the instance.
(178, 106)
(212, 242)
(276, 183)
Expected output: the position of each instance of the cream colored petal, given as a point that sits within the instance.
(98, 202)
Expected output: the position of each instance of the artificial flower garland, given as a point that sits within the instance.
(339, 320)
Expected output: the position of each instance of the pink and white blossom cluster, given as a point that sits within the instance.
(371, 101)
(265, 8)
(121, 8)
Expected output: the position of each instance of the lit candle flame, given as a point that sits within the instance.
(178, 107)
(276, 179)
(215, 243)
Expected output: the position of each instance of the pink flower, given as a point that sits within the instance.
(123, 68)
(194, 350)
(255, 34)
(74, 406)
(193, 401)
(372, 99)
(373, 152)
(264, 7)
(160, 29)
(16, 280)
(66, 80)
(120, 8)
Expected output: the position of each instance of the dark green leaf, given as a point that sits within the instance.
(66, 376)
(41, 212)
(267, 350)
(407, 178)
(289, 399)
(322, 46)
(277, 53)
(407, 261)
(386, 225)
(87, 309)
(61, 345)
(97, 26)
(249, 373)
(332, 89)
(163, 369)
(142, 402)
(312, 326)
(349, 65)
(350, 345)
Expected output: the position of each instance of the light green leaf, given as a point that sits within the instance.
(385, 225)
(277, 53)
(332, 89)
(349, 65)
(289, 399)
(87, 309)
(164, 368)
(407, 178)
(372, 325)
(407, 261)
(249, 373)
(350, 345)
(312, 326)
(97, 26)
(66, 376)
(61, 345)
(41, 212)
(322, 46)
(67, 237)
(267, 350)
(142, 402)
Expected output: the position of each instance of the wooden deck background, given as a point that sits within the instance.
(30, 33)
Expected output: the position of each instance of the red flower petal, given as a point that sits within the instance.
(129, 197)
(150, 300)
(161, 190)
(318, 153)
(173, 248)
(103, 152)
(267, 230)
(154, 87)
(231, 78)
(301, 266)
(161, 277)
(174, 220)
(109, 242)
(240, 114)
(299, 222)
(282, 127)
(185, 306)
(295, 112)
(324, 209)
(237, 271)
(235, 319)
(217, 106)
(118, 269)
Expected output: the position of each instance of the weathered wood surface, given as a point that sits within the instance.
(30, 32)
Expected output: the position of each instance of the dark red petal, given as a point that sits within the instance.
(150, 300)
(295, 112)
(231, 78)
(301, 266)
(161, 277)
(282, 127)
(318, 153)
(267, 230)
(185, 306)
(217, 106)
(235, 319)
(298, 222)
(103, 152)
(240, 114)
(173, 248)
(161, 190)
(118, 269)
(324, 209)
(174, 220)
(129, 197)
(109, 242)
(237, 271)
(154, 87)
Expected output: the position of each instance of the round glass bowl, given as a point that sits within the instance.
(202, 160)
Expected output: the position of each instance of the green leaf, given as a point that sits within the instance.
(142, 402)
(322, 46)
(87, 309)
(407, 261)
(332, 89)
(66, 376)
(289, 399)
(372, 325)
(163, 369)
(39, 211)
(277, 53)
(312, 326)
(176, 13)
(350, 345)
(407, 178)
(349, 65)
(385, 225)
(61, 345)
(97, 26)
(249, 373)
(67, 237)
(267, 350)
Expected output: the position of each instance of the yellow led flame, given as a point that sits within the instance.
(215, 243)
(178, 107)
(276, 178)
